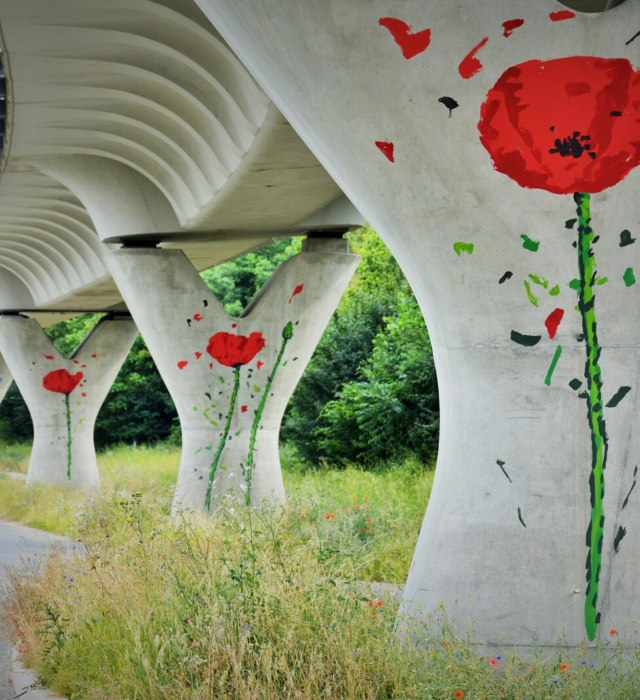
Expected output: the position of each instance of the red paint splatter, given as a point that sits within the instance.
(183, 364)
(387, 148)
(198, 355)
(566, 140)
(211, 365)
(470, 65)
(297, 290)
(411, 44)
(234, 325)
(260, 364)
(562, 14)
(83, 365)
(94, 355)
(84, 393)
(76, 362)
(47, 357)
(197, 317)
(243, 409)
(553, 321)
(510, 25)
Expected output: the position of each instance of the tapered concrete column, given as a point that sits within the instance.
(231, 378)
(463, 131)
(5, 378)
(64, 395)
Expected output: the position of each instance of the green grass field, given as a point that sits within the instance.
(256, 604)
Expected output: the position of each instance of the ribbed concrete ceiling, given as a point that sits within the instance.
(134, 118)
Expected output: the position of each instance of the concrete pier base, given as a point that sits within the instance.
(231, 378)
(64, 395)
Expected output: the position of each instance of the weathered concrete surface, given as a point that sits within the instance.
(503, 548)
(5, 378)
(64, 395)
(231, 407)
(17, 541)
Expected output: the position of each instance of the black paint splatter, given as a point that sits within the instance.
(573, 146)
(205, 302)
(618, 396)
(527, 340)
(635, 36)
(616, 114)
(625, 238)
(622, 531)
(520, 517)
(189, 322)
(449, 103)
(575, 384)
(626, 500)
(570, 223)
(500, 463)
(507, 276)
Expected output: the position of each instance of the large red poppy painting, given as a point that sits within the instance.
(570, 126)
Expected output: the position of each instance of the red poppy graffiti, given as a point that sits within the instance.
(61, 382)
(566, 125)
(233, 350)
(230, 350)
(570, 126)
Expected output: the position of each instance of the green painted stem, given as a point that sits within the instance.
(66, 400)
(287, 334)
(223, 442)
(595, 411)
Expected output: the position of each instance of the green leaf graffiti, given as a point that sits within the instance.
(287, 334)
(461, 247)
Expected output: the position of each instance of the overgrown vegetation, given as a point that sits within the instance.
(258, 604)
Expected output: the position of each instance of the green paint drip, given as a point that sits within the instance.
(538, 279)
(555, 291)
(602, 280)
(531, 296)
(575, 284)
(287, 334)
(529, 244)
(66, 400)
(223, 441)
(461, 247)
(628, 277)
(595, 414)
(552, 367)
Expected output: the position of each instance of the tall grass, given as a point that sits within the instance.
(382, 509)
(254, 605)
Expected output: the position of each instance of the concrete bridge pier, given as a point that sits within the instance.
(64, 395)
(231, 378)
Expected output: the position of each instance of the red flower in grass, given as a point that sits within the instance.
(234, 350)
(494, 662)
(458, 694)
(61, 382)
(565, 125)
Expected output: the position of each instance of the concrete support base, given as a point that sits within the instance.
(231, 378)
(64, 395)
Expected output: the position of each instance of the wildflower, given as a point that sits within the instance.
(447, 644)
(458, 694)
(129, 519)
(555, 682)
(613, 632)
(564, 667)
(493, 662)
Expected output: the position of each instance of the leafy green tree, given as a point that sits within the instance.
(392, 409)
(235, 283)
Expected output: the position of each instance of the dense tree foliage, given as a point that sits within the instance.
(370, 391)
(368, 394)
